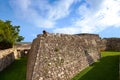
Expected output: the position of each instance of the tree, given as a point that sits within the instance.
(20, 38)
(9, 34)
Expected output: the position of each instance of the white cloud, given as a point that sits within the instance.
(67, 30)
(106, 16)
(60, 10)
(94, 4)
(96, 16)
(40, 12)
(20, 4)
(43, 23)
(111, 13)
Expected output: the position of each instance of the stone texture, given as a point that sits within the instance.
(61, 56)
(22, 49)
(22, 46)
(111, 44)
(6, 58)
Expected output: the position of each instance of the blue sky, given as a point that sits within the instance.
(63, 16)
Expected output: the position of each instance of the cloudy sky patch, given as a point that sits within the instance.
(64, 16)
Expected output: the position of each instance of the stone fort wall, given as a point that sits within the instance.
(111, 44)
(61, 56)
(6, 58)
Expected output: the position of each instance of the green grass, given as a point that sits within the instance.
(16, 71)
(105, 69)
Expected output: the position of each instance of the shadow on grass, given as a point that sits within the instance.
(105, 69)
(16, 71)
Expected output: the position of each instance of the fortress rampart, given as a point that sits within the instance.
(61, 56)
(111, 44)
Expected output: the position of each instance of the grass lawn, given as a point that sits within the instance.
(105, 69)
(16, 71)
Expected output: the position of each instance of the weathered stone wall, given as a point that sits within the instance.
(22, 46)
(60, 56)
(103, 44)
(94, 37)
(111, 44)
(6, 58)
(22, 49)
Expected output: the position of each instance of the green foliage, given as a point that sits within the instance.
(9, 34)
(20, 38)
